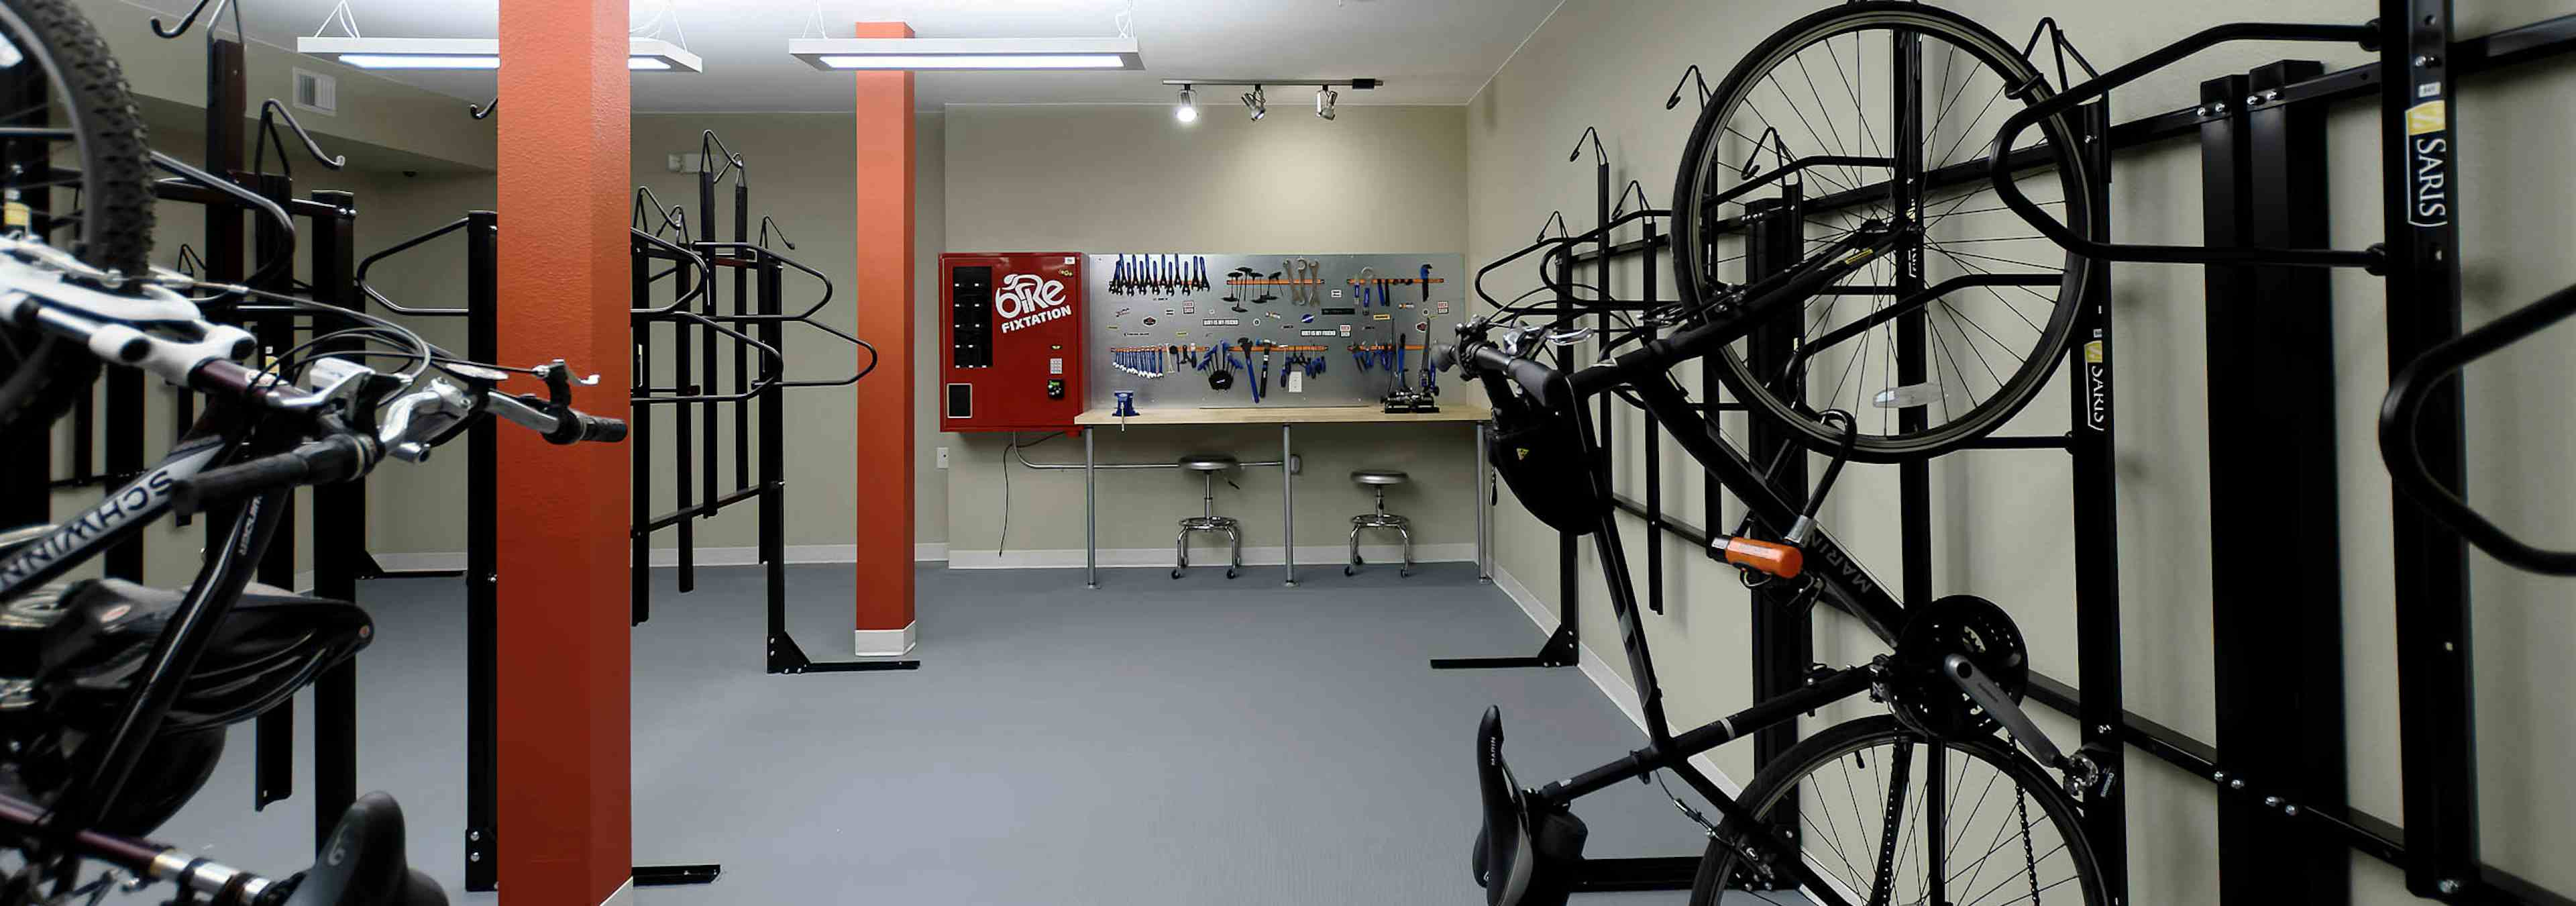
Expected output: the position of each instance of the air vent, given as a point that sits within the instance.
(317, 92)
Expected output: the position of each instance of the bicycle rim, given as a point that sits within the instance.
(1824, 86)
(101, 212)
(1858, 798)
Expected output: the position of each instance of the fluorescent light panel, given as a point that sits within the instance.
(967, 53)
(644, 54)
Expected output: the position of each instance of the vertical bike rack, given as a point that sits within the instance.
(2280, 706)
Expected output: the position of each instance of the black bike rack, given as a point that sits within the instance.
(339, 512)
(2280, 705)
(698, 388)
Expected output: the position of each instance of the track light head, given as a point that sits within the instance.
(1188, 111)
(1255, 102)
(1325, 97)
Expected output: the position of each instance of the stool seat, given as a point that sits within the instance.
(1207, 462)
(1379, 476)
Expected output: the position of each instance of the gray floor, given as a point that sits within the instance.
(1156, 741)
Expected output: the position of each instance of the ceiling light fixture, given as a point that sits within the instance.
(967, 53)
(1188, 111)
(643, 54)
(1254, 101)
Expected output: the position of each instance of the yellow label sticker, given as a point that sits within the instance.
(1383, 317)
(1859, 256)
(2430, 116)
(2093, 353)
(17, 214)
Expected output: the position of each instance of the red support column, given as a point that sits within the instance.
(564, 818)
(885, 317)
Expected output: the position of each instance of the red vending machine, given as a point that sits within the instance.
(1013, 326)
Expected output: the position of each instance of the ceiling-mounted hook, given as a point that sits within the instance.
(268, 136)
(483, 111)
(1555, 219)
(1689, 75)
(1600, 156)
(768, 226)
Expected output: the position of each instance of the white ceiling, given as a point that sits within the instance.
(1428, 51)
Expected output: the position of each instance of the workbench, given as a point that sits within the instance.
(1287, 418)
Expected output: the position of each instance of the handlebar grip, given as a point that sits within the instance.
(1764, 556)
(1543, 384)
(572, 426)
(335, 458)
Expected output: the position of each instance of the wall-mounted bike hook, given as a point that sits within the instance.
(483, 111)
(1770, 140)
(269, 113)
(1599, 155)
(1637, 189)
(1555, 219)
(191, 19)
(674, 217)
(2061, 47)
(708, 145)
(1689, 75)
(768, 226)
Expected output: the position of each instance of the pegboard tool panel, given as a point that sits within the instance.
(1171, 327)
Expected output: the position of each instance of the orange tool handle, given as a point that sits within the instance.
(1777, 559)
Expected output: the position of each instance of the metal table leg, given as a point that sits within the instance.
(1484, 492)
(1287, 506)
(1090, 517)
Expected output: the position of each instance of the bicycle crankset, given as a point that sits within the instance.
(1967, 627)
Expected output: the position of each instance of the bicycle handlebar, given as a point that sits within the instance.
(335, 458)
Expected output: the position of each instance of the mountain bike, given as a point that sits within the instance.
(1955, 795)
(113, 696)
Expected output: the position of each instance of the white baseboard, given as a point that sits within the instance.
(1321, 555)
(885, 642)
(1600, 672)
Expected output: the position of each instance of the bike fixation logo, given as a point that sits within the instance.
(2428, 156)
(1027, 300)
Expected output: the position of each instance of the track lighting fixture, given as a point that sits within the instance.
(1257, 102)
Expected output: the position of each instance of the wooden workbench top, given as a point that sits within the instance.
(1285, 415)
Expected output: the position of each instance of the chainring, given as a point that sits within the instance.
(1968, 626)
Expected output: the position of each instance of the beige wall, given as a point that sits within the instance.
(802, 175)
(2001, 516)
(1130, 178)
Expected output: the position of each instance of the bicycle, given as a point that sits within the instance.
(1955, 677)
(115, 696)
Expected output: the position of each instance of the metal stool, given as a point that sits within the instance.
(1378, 480)
(1207, 465)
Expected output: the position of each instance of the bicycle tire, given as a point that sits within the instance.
(42, 374)
(1762, 797)
(1700, 160)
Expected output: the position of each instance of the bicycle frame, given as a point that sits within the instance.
(174, 655)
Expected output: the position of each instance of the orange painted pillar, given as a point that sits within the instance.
(562, 681)
(883, 268)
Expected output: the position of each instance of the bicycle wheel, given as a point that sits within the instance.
(1805, 136)
(68, 90)
(1859, 798)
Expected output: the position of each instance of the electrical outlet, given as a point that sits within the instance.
(943, 457)
(682, 163)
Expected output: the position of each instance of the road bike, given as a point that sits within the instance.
(1955, 795)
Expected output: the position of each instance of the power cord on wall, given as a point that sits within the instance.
(1007, 453)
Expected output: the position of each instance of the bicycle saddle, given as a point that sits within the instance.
(363, 864)
(1520, 859)
(271, 643)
